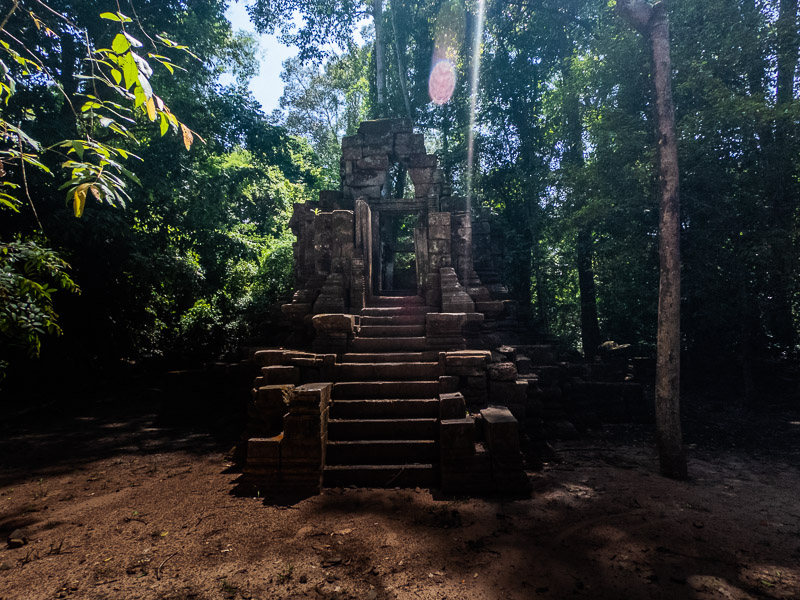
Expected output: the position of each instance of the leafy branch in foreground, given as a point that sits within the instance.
(116, 73)
(29, 275)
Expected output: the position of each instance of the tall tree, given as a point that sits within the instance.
(653, 21)
(380, 62)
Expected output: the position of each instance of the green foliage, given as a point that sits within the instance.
(29, 276)
(95, 166)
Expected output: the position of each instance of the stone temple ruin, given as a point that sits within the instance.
(406, 363)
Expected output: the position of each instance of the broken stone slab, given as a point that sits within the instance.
(501, 430)
(451, 406)
(384, 126)
(457, 438)
(334, 323)
(509, 352)
(16, 539)
(268, 358)
(503, 371)
(271, 398)
(264, 450)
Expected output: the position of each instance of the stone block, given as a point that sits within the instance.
(468, 358)
(457, 438)
(451, 406)
(334, 323)
(343, 226)
(352, 153)
(503, 371)
(268, 358)
(409, 143)
(422, 161)
(385, 126)
(425, 175)
(264, 450)
(444, 324)
(509, 352)
(373, 162)
(318, 394)
(280, 374)
(501, 431)
(272, 398)
(440, 219)
(508, 392)
(438, 244)
(352, 141)
(364, 178)
(492, 308)
(448, 384)
(301, 430)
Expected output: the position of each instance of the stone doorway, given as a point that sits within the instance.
(398, 259)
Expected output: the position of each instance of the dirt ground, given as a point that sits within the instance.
(117, 505)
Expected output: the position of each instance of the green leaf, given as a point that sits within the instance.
(120, 45)
(110, 16)
(130, 71)
(164, 124)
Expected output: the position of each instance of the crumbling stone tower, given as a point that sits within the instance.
(346, 251)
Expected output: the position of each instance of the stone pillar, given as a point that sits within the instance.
(501, 432)
(332, 296)
(305, 435)
(454, 297)
(363, 242)
(505, 390)
(438, 241)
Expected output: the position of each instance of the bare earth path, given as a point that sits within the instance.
(117, 507)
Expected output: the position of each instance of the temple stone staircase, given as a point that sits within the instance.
(383, 428)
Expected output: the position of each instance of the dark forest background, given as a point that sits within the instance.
(565, 151)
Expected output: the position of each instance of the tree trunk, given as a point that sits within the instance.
(652, 20)
(380, 63)
(573, 128)
(590, 329)
(401, 69)
(781, 320)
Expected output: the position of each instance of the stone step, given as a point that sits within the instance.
(385, 389)
(396, 301)
(391, 311)
(380, 452)
(381, 357)
(380, 476)
(394, 320)
(395, 344)
(381, 429)
(385, 408)
(388, 371)
(391, 331)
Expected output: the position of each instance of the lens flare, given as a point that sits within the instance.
(442, 82)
